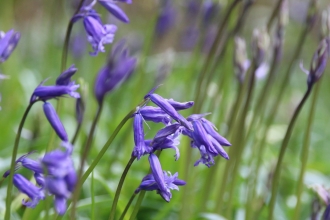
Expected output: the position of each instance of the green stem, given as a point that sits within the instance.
(137, 205)
(67, 38)
(203, 73)
(108, 143)
(83, 158)
(127, 206)
(92, 198)
(13, 160)
(276, 177)
(241, 144)
(73, 141)
(120, 185)
(305, 151)
(274, 14)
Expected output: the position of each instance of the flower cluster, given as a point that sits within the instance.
(98, 33)
(54, 175)
(201, 132)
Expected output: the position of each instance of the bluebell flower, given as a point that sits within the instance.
(119, 67)
(140, 148)
(54, 173)
(169, 109)
(59, 188)
(158, 175)
(115, 10)
(8, 43)
(180, 105)
(65, 78)
(98, 34)
(33, 192)
(206, 140)
(166, 18)
(154, 114)
(55, 121)
(64, 86)
(165, 132)
(160, 180)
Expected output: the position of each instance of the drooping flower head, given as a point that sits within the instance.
(8, 42)
(119, 67)
(166, 106)
(160, 180)
(98, 34)
(54, 173)
(33, 192)
(64, 86)
(206, 139)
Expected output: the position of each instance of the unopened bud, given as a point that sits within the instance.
(241, 62)
(260, 43)
(319, 62)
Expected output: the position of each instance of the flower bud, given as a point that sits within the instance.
(260, 43)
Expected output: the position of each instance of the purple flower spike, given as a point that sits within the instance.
(119, 67)
(49, 92)
(115, 10)
(26, 187)
(140, 148)
(170, 110)
(65, 78)
(180, 105)
(154, 114)
(8, 43)
(55, 121)
(98, 34)
(158, 175)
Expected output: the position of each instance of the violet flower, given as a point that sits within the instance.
(65, 78)
(33, 192)
(166, 18)
(154, 114)
(140, 148)
(54, 173)
(119, 67)
(64, 86)
(55, 121)
(8, 43)
(160, 180)
(169, 109)
(206, 140)
(98, 34)
(115, 10)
